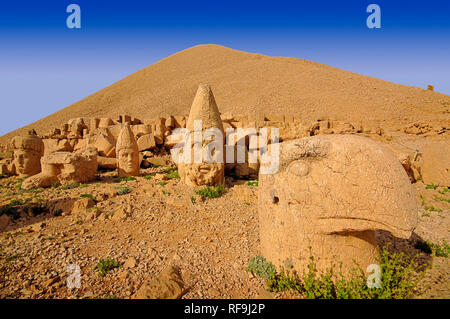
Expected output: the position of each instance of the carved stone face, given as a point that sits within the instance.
(27, 162)
(128, 161)
(204, 173)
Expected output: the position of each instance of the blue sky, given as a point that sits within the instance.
(44, 66)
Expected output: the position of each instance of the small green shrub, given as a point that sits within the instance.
(148, 177)
(123, 190)
(442, 199)
(211, 192)
(87, 196)
(444, 190)
(55, 184)
(432, 209)
(83, 185)
(439, 250)
(105, 265)
(70, 186)
(11, 258)
(193, 200)
(173, 174)
(161, 183)
(128, 179)
(252, 183)
(260, 267)
(432, 186)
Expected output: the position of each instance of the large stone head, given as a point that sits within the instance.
(330, 194)
(28, 151)
(206, 165)
(127, 152)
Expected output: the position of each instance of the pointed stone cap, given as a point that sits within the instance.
(204, 108)
(126, 139)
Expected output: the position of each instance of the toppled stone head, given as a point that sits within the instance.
(204, 120)
(65, 168)
(28, 151)
(127, 152)
(329, 196)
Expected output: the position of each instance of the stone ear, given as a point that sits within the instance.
(298, 168)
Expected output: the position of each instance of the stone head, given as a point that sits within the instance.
(127, 152)
(28, 151)
(330, 194)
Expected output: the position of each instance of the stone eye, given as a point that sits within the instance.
(298, 168)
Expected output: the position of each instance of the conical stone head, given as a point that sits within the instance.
(205, 171)
(127, 152)
(204, 108)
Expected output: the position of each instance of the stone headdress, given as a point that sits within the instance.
(30, 142)
(126, 139)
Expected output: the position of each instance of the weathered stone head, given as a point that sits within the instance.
(206, 165)
(330, 194)
(127, 152)
(28, 151)
(65, 168)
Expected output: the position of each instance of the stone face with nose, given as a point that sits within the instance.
(127, 152)
(330, 194)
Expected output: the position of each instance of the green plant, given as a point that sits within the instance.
(432, 186)
(148, 177)
(11, 258)
(105, 265)
(90, 196)
(252, 183)
(79, 221)
(444, 190)
(55, 185)
(173, 174)
(70, 186)
(439, 250)
(83, 185)
(128, 178)
(123, 190)
(165, 192)
(399, 276)
(193, 200)
(247, 203)
(161, 183)
(211, 192)
(260, 267)
(442, 199)
(432, 209)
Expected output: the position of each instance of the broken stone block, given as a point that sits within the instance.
(167, 285)
(65, 168)
(436, 163)
(146, 142)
